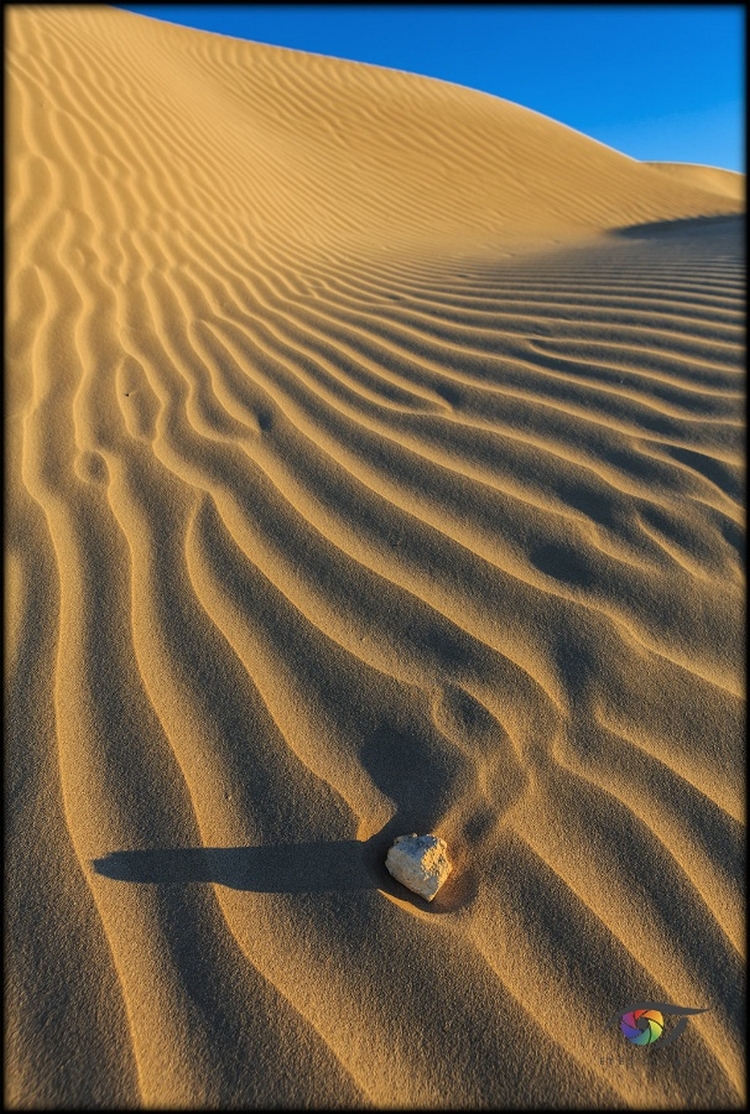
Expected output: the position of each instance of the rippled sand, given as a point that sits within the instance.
(374, 465)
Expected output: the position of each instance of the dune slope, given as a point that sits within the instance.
(375, 465)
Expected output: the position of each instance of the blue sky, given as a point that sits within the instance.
(663, 83)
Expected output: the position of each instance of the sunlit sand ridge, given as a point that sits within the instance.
(374, 466)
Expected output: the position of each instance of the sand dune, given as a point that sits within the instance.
(375, 465)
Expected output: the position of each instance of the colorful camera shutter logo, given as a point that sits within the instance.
(642, 1026)
(643, 1022)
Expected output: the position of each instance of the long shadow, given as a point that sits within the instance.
(277, 868)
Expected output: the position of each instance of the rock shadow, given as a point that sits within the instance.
(277, 868)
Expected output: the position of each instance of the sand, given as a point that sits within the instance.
(374, 460)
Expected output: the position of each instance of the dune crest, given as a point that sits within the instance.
(375, 466)
(726, 182)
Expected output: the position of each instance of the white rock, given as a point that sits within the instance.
(420, 863)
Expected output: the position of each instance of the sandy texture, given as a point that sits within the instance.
(374, 466)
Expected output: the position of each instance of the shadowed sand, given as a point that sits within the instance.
(375, 466)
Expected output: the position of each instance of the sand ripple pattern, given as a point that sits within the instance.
(375, 465)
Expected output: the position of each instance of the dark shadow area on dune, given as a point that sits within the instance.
(732, 224)
(564, 564)
(734, 536)
(716, 471)
(423, 775)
